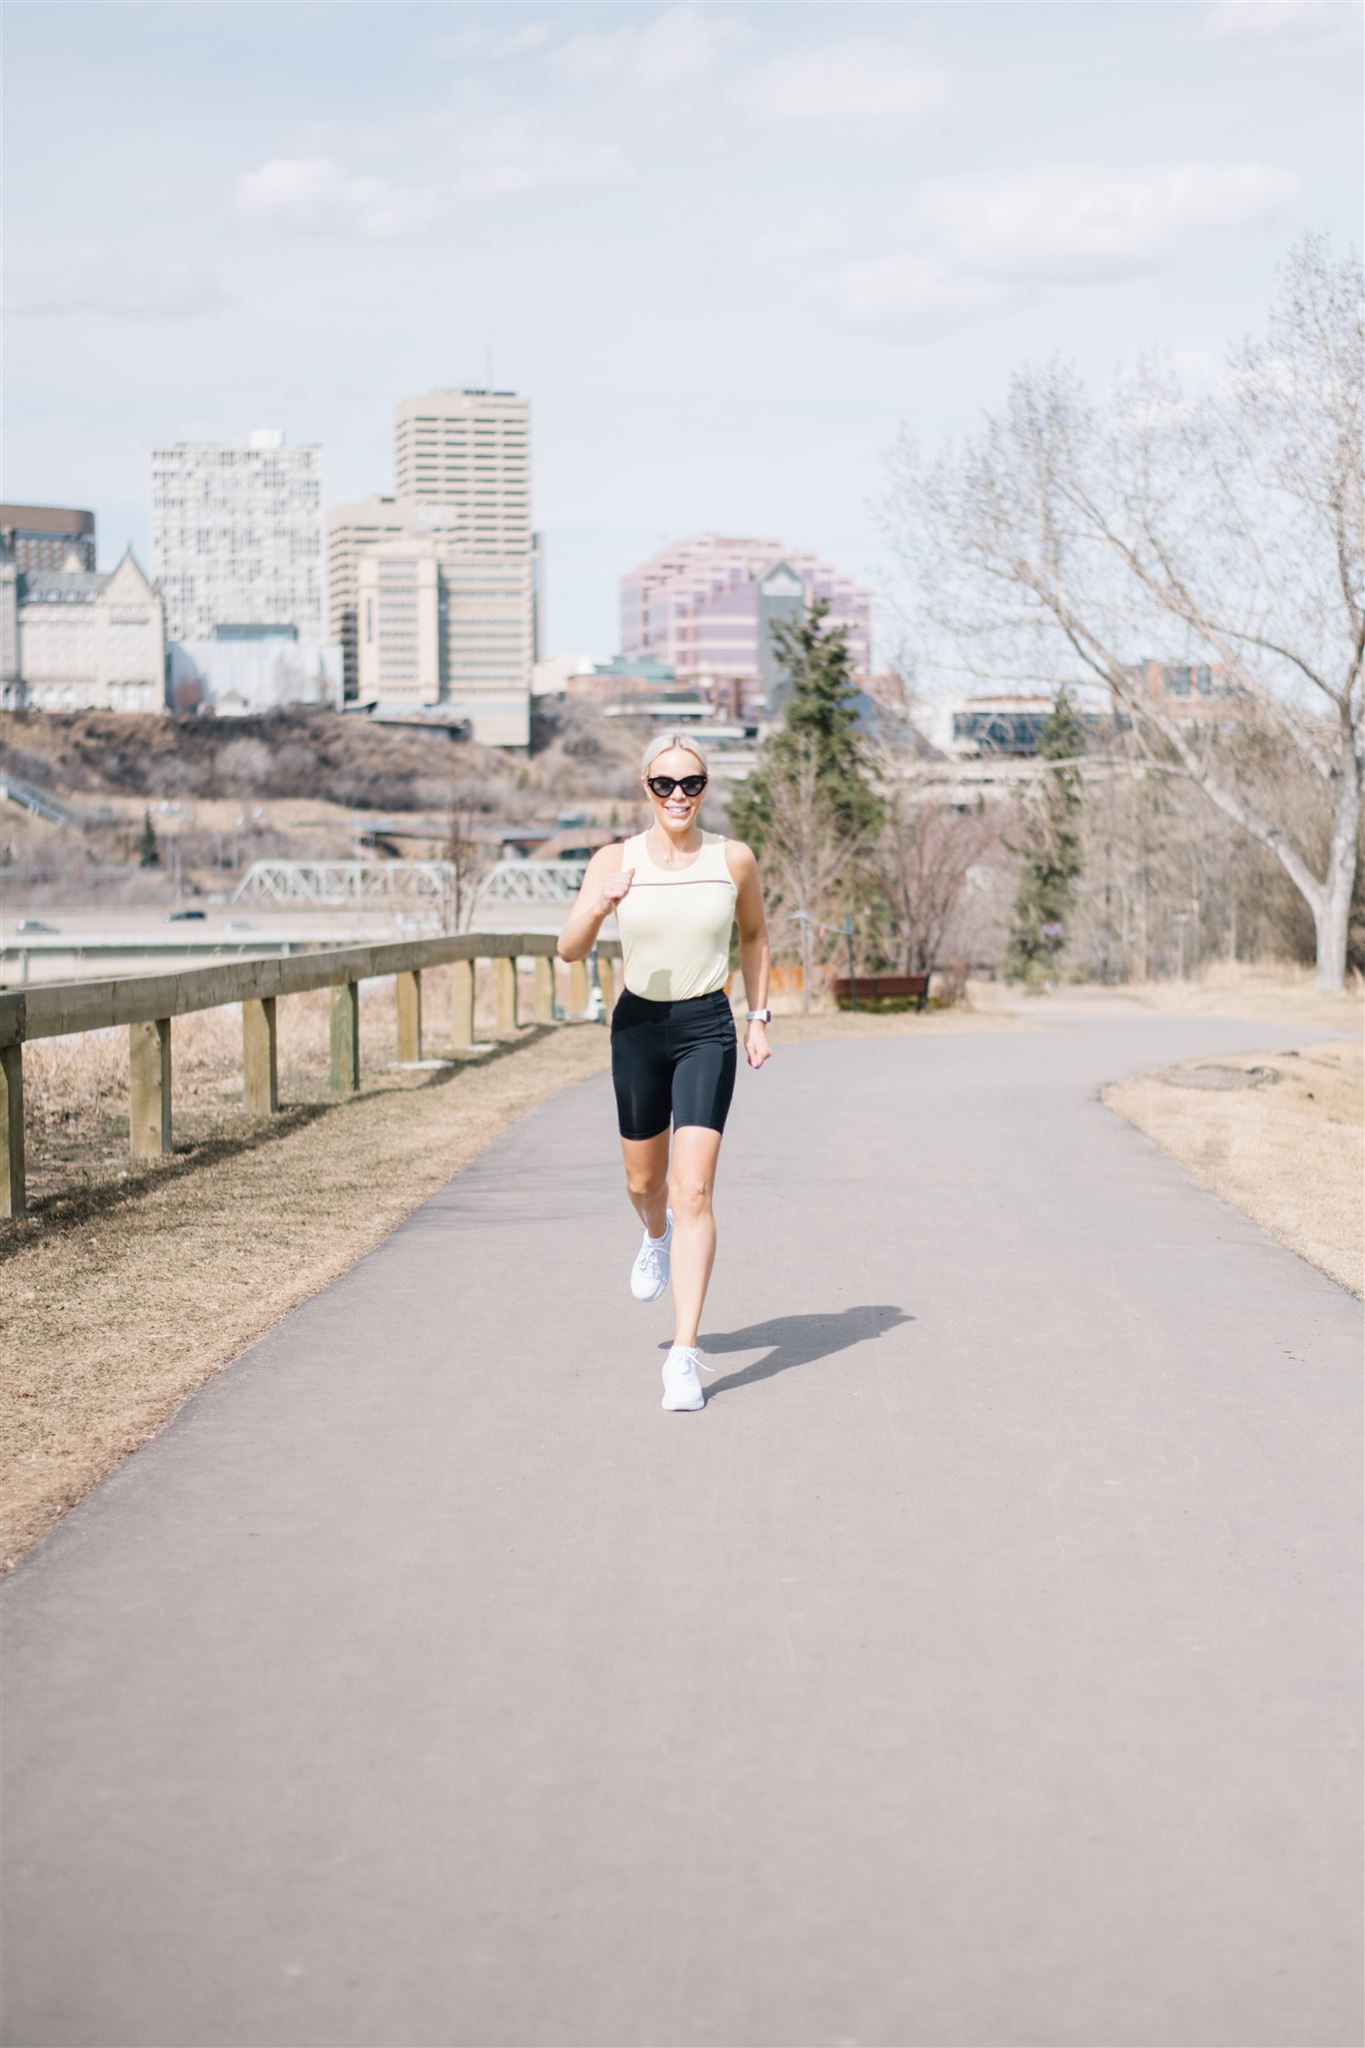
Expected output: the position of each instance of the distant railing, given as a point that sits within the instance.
(370, 881)
(42, 804)
(147, 1003)
(342, 881)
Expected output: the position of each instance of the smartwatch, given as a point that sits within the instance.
(759, 1016)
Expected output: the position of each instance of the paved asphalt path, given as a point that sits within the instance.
(980, 1667)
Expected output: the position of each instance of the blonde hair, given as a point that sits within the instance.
(661, 743)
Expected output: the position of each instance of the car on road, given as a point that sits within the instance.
(186, 916)
(34, 924)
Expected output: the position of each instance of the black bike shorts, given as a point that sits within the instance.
(672, 1061)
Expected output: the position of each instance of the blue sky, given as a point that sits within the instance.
(727, 251)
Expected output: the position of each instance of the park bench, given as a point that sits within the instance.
(885, 991)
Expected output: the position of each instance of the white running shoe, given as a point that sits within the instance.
(682, 1387)
(649, 1274)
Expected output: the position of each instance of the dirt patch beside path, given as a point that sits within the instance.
(1279, 1135)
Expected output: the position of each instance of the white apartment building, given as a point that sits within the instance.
(82, 640)
(237, 535)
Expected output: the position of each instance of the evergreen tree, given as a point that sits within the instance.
(819, 723)
(1050, 849)
(148, 852)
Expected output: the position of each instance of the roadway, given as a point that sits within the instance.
(982, 1665)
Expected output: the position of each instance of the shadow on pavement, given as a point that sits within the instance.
(796, 1340)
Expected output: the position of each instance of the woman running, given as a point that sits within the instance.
(676, 891)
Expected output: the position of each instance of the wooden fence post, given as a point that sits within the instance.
(260, 1068)
(408, 988)
(578, 987)
(606, 977)
(149, 1088)
(462, 1005)
(543, 989)
(505, 972)
(345, 1077)
(12, 1194)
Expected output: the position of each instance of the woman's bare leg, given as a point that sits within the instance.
(647, 1179)
(692, 1179)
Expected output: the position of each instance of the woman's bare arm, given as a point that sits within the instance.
(604, 884)
(755, 959)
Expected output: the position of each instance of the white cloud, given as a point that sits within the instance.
(59, 284)
(1280, 20)
(911, 297)
(674, 47)
(479, 42)
(847, 83)
(509, 155)
(533, 35)
(1075, 223)
(964, 250)
(501, 157)
(314, 195)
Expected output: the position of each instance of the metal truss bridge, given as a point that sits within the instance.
(387, 881)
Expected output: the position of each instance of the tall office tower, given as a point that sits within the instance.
(469, 451)
(461, 470)
(47, 537)
(707, 606)
(237, 535)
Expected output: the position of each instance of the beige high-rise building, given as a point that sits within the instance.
(352, 530)
(470, 452)
(433, 592)
(438, 627)
(398, 594)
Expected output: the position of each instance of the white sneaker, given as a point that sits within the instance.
(682, 1387)
(649, 1274)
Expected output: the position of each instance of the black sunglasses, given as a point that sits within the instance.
(663, 786)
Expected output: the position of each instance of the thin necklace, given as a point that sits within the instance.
(674, 863)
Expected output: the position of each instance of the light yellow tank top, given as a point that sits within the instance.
(675, 923)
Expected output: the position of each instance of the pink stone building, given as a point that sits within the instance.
(706, 606)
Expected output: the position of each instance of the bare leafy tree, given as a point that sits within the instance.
(929, 852)
(806, 857)
(466, 862)
(1223, 526)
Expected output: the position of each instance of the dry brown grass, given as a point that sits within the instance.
(1290, 1154)
(1278, 991)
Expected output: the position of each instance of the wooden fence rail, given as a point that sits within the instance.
(147, 1003)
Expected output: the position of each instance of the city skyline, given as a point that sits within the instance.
(726, 252)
